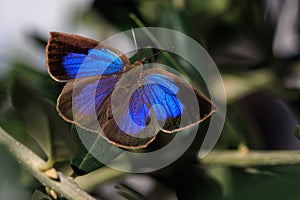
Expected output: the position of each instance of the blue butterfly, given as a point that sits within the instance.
(145, 100)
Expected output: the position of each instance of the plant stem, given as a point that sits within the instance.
(252, 158)
(31, 162)
(100, 176)
(160, 46)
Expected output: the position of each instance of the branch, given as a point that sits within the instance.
(252, 158)
(31, 162)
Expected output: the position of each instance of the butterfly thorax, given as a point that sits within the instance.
(133, 76)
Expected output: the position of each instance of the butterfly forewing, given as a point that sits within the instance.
(72, 56)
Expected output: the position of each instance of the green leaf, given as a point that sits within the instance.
(2, 92)
(281, 183)
(48, 88)
(94, 144)
(142, 53)
(84, 162)
(39, 195)
(42, 121)
(297, 131)
(117, 15)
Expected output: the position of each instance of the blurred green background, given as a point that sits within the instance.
(255, 44)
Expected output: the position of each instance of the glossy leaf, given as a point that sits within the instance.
(85, 162)
(118, 15)
(42, 122)
(39, 195)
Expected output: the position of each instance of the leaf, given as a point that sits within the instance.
(48, 88)
(297, 131)
(39, 195)
(2, 93)
(142, 53)
(42, 121)
(281, 182)
(118, 15)
(128, 192)
(85, 162)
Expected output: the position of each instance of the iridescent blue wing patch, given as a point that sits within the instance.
(176, 104)
(81, 100)
(72, 56)
(159, 100)
(87, 103)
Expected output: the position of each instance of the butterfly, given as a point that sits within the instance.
(123, 102)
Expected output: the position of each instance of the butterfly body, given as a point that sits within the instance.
(125, 103)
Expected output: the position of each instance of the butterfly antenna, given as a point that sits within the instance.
(156, 54)
(134, 40)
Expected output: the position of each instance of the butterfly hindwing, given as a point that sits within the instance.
(81, 100)
(175, 104)
(154, 100)
(120, 138)
(72, 56)
(87, 103)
